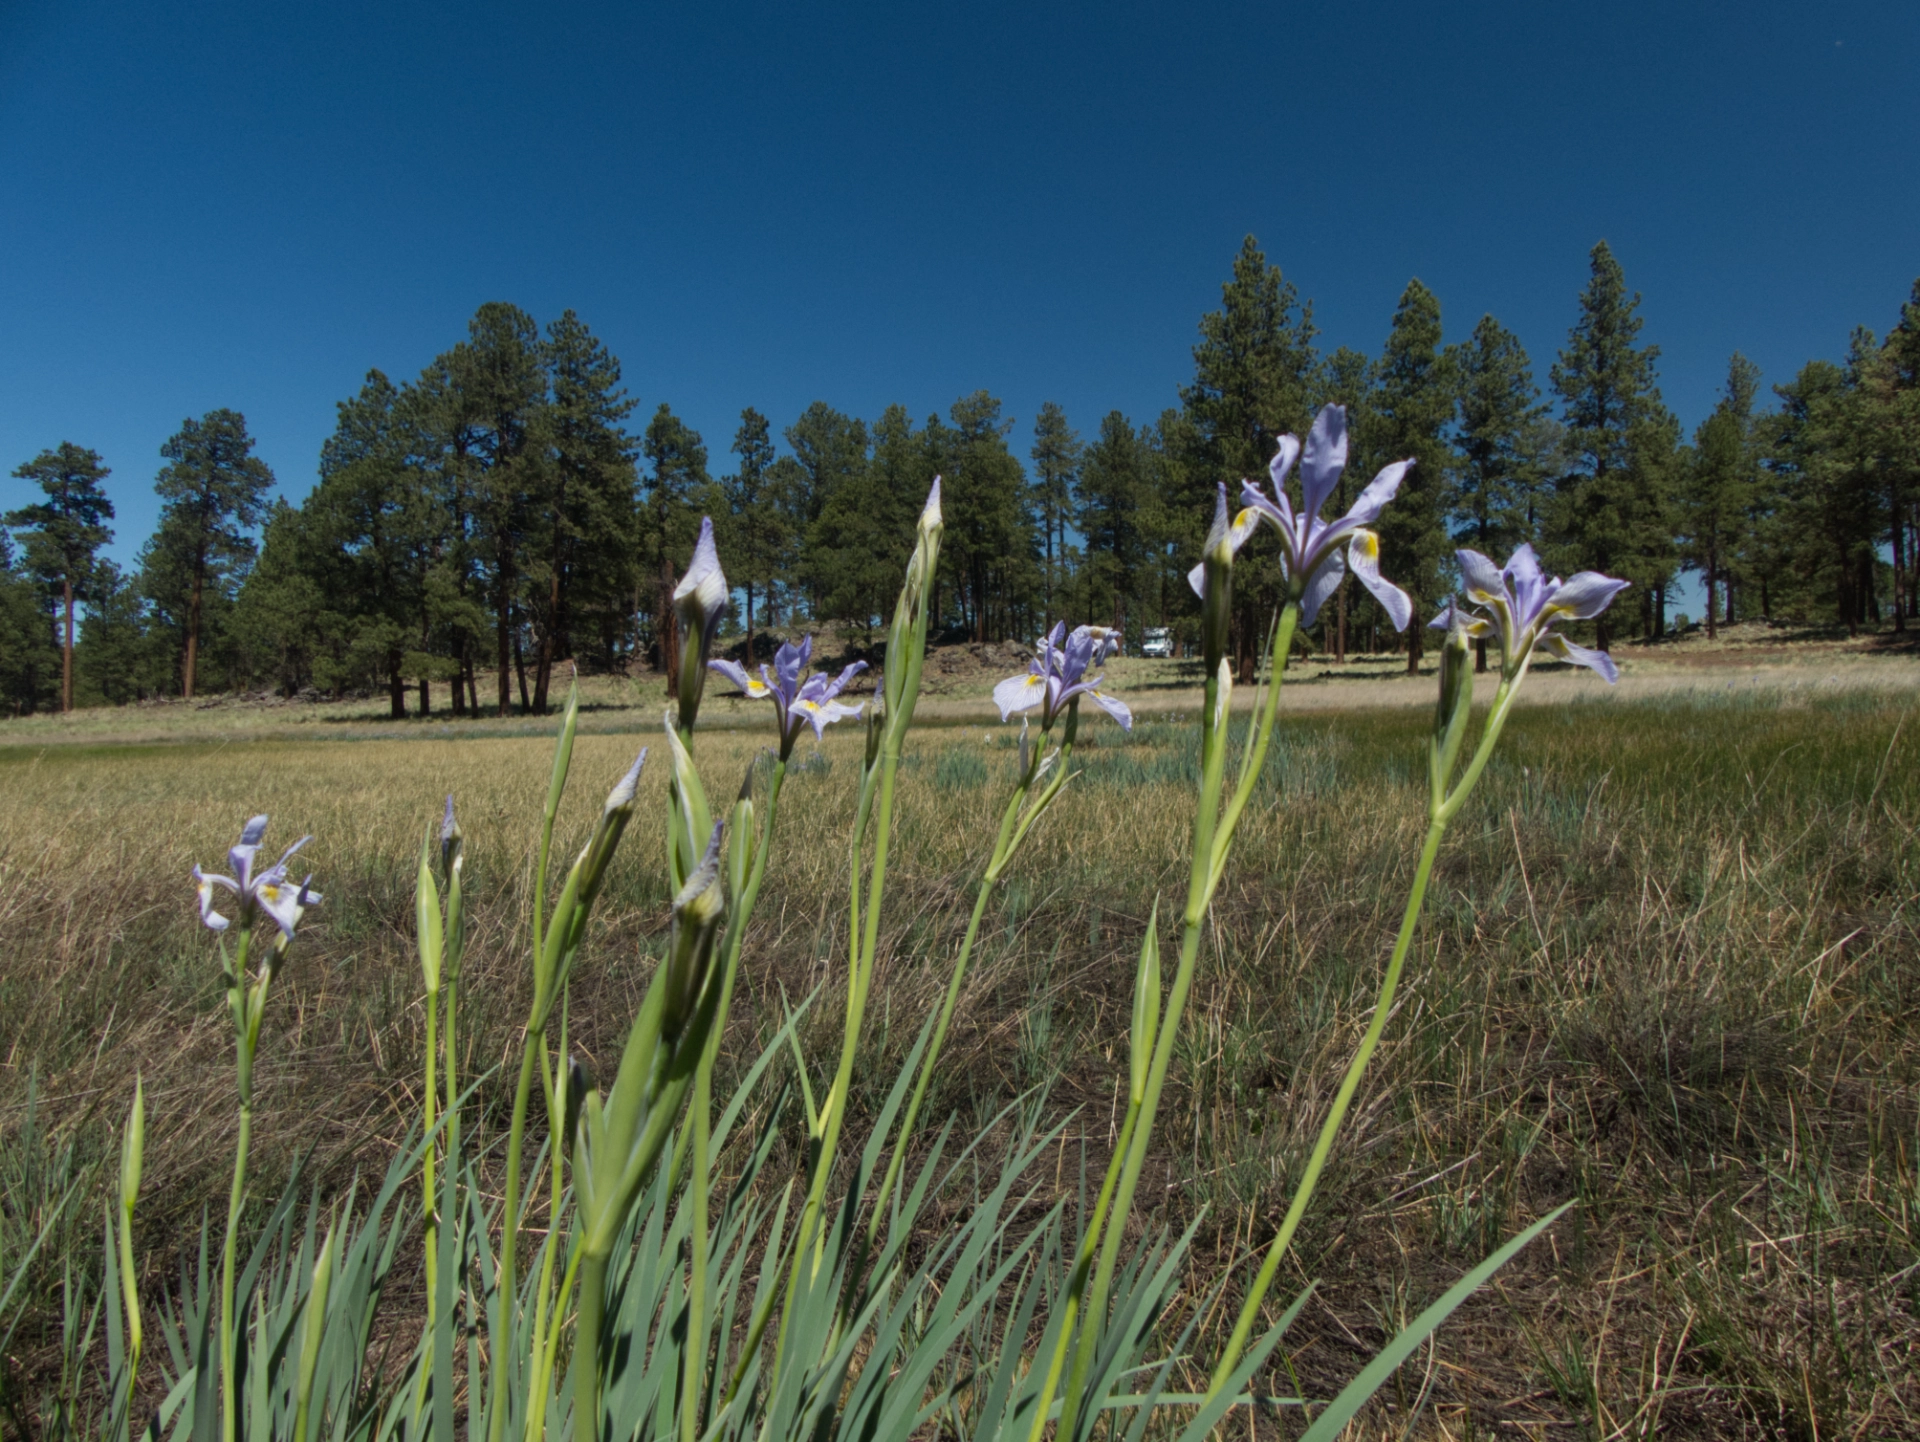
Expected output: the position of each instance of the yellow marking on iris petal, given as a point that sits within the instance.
(1369, 543)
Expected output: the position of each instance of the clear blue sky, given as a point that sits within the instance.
(250, 205)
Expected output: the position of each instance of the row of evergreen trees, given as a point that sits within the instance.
(499, 516)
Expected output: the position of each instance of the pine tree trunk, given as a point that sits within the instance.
(66, 651)
(749, 626)
(502, 644)
(396, 688)
(1899, 571)
(1340, 633)
(666, 634)
(520, 672)
(1413, 645)
(1713, 599)
(193, 636)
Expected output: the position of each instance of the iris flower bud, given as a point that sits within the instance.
(699, 601)
(1216, 603)
(452, 844)
(1456, 679)
(876, 728)
(578, 1081)
(697, 913)
(1146, 1010)
(1454, 706)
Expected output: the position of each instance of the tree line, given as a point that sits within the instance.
(505, 512)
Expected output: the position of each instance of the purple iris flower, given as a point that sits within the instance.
(267, 891)
(1310, 548)
(1523, 606)
(796, 697)
(1058, 673)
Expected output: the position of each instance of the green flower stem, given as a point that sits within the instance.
(1208, 823)
(430, 1201)
(1383, 1004)
(552, 1080)
(586, 1341)
(504, 1298)
(878, 783)
(537, 1394)
(1439, 816)
(1496, 723)
(556, 788)
(833, 1108)
(566, 915)
(1012, 832)
(132, 1156)
(1077, 1285)
(450, 1064)
(247, 1004)
(1213, 833)
(702, 1128)
(1254, 757)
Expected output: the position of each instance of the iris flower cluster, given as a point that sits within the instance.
(1522, 606)
(796, 697)
(269, 890)
(1058, 674)
(1310, 548)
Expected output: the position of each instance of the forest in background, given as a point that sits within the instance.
(507, 512)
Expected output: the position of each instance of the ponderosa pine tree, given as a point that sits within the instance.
(29, 662)
(586, 568)
(1254, 372)
(370, 534)
(872, 502)
(1111, 496)
(495, 389)
(824, 503)
(753, 523)
(62, 535)
(1719, 481)
(113, 659)
(213, 491)
(1414, 403)
(1894, 415)
(986, 530)
(1056, 455)
(1609, 507)
(297, 619)
(1820, 454)
(1500, 468)
(1173, 528)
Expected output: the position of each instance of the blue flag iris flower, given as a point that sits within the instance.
(796, 697)
(1522, 605)
(1310, 548)
(268, 890)
(1058, 673)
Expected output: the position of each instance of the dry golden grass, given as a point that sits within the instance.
(1669, 968)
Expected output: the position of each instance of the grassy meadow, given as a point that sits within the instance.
(1670, 967)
